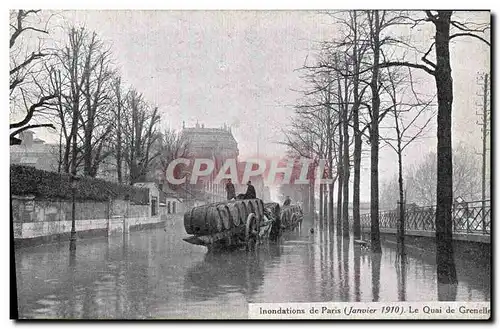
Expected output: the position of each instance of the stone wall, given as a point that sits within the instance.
(139, 211)
(42, 221)
(468, 247)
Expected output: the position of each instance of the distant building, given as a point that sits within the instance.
(211, 142)
(217, 144)
(35, 152)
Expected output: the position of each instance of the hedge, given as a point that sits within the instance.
(25, 180)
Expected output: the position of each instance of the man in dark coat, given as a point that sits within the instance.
(287, 201)
(230, 190)
(250, 194)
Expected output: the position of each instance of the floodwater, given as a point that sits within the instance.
(154, 274)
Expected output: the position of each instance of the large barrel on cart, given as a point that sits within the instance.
(239, 222)
(219, 217)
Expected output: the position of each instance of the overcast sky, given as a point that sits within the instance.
(238, 68)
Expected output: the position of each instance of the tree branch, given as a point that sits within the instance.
(27, 61)
(411, 65)
(469, 35)
(31, 111)
(20, 130)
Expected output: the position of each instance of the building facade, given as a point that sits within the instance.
(217, 144)
(35, 152)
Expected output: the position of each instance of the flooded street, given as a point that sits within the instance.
(154, 274)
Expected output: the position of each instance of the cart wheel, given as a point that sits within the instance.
(251, 232)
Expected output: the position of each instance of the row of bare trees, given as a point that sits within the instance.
(362, 91)
(75, 88)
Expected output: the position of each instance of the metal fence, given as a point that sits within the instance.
(468, 217)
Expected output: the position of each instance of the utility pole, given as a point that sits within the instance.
(484, 127)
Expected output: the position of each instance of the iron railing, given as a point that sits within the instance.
(468, 217)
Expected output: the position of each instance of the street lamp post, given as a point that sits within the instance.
(72, 240)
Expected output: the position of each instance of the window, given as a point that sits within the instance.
(168, 207)
(154, 206)
(173, 207)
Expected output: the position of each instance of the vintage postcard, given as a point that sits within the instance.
(250, 164)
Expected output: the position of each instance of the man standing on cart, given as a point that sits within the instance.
(230, 190)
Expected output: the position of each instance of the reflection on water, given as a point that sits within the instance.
(223, 272)
(154, 274)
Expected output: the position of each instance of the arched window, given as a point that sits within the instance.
(168, 207)
(173, 207)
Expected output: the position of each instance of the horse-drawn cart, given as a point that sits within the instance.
(238, 223)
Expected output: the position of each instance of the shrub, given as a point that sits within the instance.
(48, 185)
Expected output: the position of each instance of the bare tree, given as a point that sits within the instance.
(173, 145)
(70, 78)
(406, 116)
(446, 29)
(118, 102)
(96, 122)
(28, 93)
(81, 79)
(314, 126)
(140, 129)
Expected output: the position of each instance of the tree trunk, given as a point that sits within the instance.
(330, 142)
(374, 138)
(356, 187)
(330, 204)
(312, 205)
(59, 164)
(304, 193)
(325, 203)
(88, 127)
(321, 201)
(345, 159)
(444, 247)
(67, 154)
(483, 168)
(357, 137)
(119, 133)
(340, 185)
(401, 226)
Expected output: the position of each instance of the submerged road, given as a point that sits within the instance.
(154, 274)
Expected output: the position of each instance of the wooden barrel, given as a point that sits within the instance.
(221, 216)
(234, 211)
(261, 206)
(214, 220)
(196, 221)
(242, 207)
(225, 216)
(250, 206)
(253, 207)
(258, 208)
